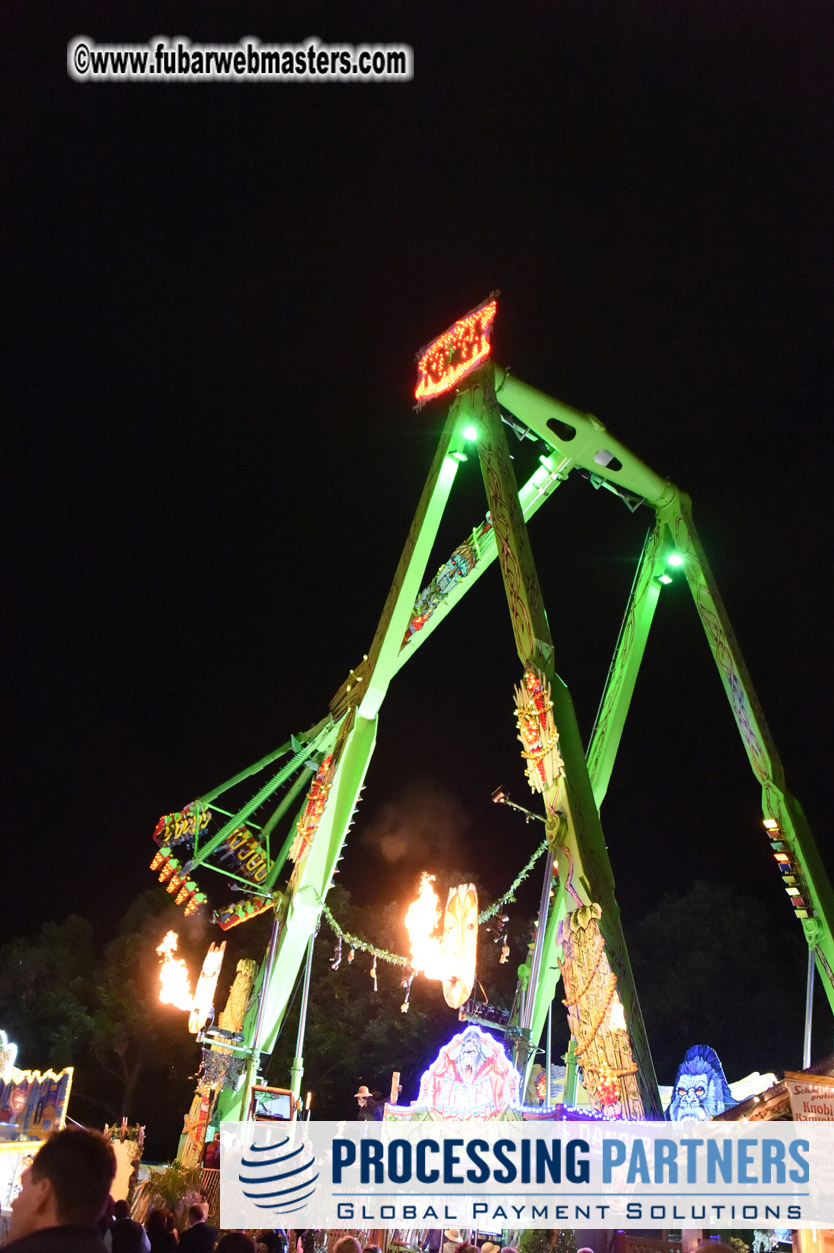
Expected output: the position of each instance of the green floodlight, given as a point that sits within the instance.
(664, 578)
(470, 432)
(459, 456)
(674, 559)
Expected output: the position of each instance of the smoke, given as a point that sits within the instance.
(424, 827)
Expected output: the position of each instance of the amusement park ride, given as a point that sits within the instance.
(579, 937)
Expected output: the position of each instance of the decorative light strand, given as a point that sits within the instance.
(395, 959)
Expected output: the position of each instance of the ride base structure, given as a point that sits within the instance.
(579, 938)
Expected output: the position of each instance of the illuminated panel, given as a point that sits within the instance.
(455, 353)
(471, 1077)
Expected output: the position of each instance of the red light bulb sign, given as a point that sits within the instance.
(455, 353)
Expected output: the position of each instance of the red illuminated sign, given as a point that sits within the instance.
(455, 353)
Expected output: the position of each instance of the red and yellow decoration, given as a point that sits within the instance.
(596, 1017)
(241, 911)
(181, 826)
(183, 889)
(252, 861)
(537, 731)
(455, 353)
(313, 809)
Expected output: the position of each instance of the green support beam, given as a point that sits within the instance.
(354, 710)
(576, 441)
(584, 867)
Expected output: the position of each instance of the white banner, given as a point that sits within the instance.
(812, 1096)
(527, 1174)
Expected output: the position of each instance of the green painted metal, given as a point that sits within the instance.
(297, 786)
(573, 825)
(622, 676)
(205, 801)
(358, 705)
(263, 793)
(581, 441)
(577, 441)
(777, 802)
(539, 487)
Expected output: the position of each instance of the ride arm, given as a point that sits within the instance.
(354, 710)
(812, 899)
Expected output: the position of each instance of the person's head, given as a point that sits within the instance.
(196, 1214)
(509, 1248)
(348, 1244)
(68, 1183)
(235, 1242)
(372, 1248)
(121, 1209)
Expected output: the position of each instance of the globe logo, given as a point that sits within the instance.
(283, 1179)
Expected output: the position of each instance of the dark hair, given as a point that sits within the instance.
(80, 1165)
(348, 1244)
(372, 1248)
(235, 1242)
(197, 1213)
(156, 1222)
(121, 1209)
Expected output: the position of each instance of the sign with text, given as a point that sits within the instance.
(455, 353)
(812, 1096)
(515, 1174)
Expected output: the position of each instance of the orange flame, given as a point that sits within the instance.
(173, 975)
(422, 920)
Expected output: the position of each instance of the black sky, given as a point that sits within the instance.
(214, 294)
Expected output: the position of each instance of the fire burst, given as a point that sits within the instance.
(422, 921)
(173, 975)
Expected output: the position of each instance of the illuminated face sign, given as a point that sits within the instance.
(471, 1078)
(455, 353)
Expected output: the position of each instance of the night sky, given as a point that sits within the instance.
(213, 296)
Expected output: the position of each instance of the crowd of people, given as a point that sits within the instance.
(65, 1206)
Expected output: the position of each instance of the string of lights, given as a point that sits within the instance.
(395, 959)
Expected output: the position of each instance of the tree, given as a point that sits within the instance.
(47, 992)
(715, 967)
(135, 1037)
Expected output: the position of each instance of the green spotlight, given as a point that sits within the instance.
(674, 559)
(459, 456)
(470, 432)
(664, 578)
